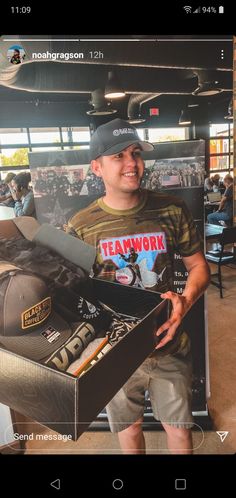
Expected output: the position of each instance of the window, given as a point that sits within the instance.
(49, 136)
(166, 134)
(12, 154)
(219, 163)
(13, 136)
(76, 134)
(221, 148)
(219, 130)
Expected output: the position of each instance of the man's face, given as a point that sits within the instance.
(121, 172)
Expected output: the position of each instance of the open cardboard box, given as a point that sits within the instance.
(59, 400)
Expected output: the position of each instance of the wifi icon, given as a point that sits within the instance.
(187, 9)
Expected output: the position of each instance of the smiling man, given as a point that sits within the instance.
(136, 234)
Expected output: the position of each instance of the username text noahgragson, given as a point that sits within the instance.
(58, 55)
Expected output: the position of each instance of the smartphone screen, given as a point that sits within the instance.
(62, 92)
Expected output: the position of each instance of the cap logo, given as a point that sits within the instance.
(36, 314)
(87, 310)
(123, 131)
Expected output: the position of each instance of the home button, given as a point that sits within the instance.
(117, 484)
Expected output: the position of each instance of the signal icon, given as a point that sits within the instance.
(197, 11)
(187, 9)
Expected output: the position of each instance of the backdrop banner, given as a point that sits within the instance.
(63, 184)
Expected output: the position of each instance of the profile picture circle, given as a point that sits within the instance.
(16, 54)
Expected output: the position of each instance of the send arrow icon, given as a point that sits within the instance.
(56, 484)
(222, 435)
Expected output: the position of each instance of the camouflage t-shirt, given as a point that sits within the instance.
(137, 246)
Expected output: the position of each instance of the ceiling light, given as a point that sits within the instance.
(206, 89)
(134, 115)
(101, 112)
(230, 111)
(207, 84)
(185, 118)
(113, 88)
(101, 107)
(137, 120)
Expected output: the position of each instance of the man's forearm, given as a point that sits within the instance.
(222, 203)
(197, 282)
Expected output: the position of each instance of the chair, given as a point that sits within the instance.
(222, 257)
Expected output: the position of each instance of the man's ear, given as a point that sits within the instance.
(96, 167)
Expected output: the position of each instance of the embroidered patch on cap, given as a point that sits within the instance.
(36, 314)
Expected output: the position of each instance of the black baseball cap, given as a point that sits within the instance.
(28, 324)
(113, 137)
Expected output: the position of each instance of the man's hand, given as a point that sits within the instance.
(16, 194)
(180, 307)
(198, 279)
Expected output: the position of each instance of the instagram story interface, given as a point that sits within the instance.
(116, 209)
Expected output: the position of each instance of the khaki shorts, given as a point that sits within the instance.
(168, 379)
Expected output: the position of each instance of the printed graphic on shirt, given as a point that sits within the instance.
(134, 257)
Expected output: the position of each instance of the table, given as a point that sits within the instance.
(6, 213)
(213, 204)
(213, 231)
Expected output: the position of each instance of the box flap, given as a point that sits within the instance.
(27, 225)
(8, 230)
(71, 248)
